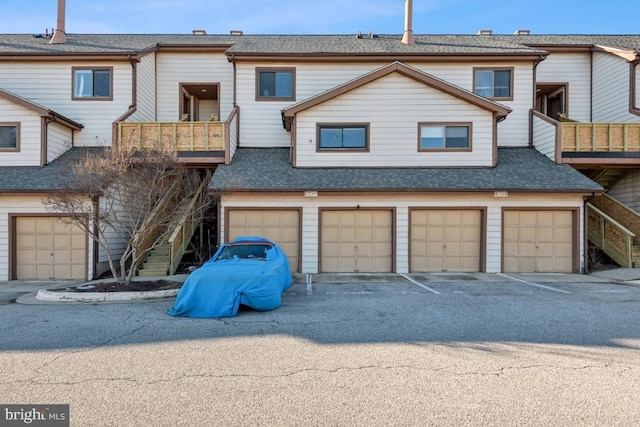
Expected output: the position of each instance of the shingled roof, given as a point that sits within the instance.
(519, 169)
(52, 177)
(311, 45)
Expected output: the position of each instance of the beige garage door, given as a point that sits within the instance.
(281, 226)
(357, 241)
(446, 240)
(538, 241)
(48, 248)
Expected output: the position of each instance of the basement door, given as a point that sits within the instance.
(356, 241)
(538, 241)
(47, 248)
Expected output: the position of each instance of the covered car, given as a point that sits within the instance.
(251, 271)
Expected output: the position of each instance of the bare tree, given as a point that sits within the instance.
(135, 196)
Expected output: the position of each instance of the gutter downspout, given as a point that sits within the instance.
(134, 96)
(535, 84)
(634, 108)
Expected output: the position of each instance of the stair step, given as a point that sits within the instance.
(159, 272)
(154, 265)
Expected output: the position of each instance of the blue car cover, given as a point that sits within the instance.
(219, 287)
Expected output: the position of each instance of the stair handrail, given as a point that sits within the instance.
(152, 237)
(622, 258)
(177, 247)
(622, 206)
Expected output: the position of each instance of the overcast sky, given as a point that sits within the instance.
(323, 16)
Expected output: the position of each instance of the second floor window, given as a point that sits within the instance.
(493, 83)
(275, 84)
(9, 136)
(343, 137)
(92, 83)
(444, 137)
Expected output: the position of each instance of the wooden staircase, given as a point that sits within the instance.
(615, 229)
(607, 177)
(165, 257)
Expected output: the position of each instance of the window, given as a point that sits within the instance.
(9, 136)
(275, 84)
(493, 83)
(92, 83)
(444, 137)
(343, 137)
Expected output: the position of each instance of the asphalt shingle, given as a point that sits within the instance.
(518, 169)
(50, 177)
(433, 44)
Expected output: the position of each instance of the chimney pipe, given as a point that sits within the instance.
(407, 37)
(59, 36)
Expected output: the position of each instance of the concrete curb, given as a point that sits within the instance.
(47, 295)
(58, 294)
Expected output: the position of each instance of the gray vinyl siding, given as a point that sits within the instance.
(30, 139)
(59, 140)
(393, 126)
(574, 69)
(146, 90)
(611, 91)
(627, 191)
(176, 68)
(49, 84)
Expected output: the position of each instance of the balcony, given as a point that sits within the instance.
(196, 143)
(587, 145)
(610, 143)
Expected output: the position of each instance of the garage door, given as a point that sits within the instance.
(281, 226)
(446, 240)
(48, 248)
(357, 241)
(538, 241)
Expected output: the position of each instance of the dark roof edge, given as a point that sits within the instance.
(43, 111)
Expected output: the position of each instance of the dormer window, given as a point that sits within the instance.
(493, 83)
(92, 83)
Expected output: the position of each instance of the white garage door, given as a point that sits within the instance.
(357, 241)
(48, 248)
(280, 226)
(446, 240)
(538, 241)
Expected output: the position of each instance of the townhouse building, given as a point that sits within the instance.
(356, 153)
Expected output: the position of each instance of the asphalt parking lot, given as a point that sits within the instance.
(419, 349)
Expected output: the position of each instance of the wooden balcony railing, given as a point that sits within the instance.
(578, 137)
(188, 139)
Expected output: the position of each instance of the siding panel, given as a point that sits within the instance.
(393, 126)
(30, 139)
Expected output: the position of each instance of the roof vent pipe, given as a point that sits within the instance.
(60, 36)
(407, 37)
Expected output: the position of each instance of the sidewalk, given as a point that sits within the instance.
(25, 292)
(630, 275)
